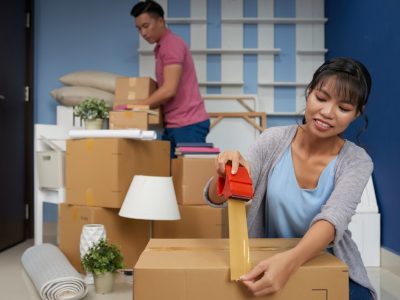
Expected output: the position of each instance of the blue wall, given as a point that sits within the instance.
(80, 35)
(369, 31)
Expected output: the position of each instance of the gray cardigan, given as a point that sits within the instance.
(352, 171)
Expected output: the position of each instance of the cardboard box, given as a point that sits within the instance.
(131, 119)
(134, 88)
(198, 269)
(129, 89)
(130, 235)
(200, 221)
(190, 176)
(99, 171)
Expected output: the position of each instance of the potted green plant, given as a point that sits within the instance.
(93, 111)
(103, 260)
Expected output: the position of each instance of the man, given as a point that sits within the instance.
(185, 117)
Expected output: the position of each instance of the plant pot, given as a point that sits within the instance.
(94, 124)
(104, 283)
(90, 235)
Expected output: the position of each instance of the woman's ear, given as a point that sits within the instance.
(359, 112)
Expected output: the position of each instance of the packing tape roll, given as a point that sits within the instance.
(239, 250)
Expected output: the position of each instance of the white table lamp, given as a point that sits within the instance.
(150, 198)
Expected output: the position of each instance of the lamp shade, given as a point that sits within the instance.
(150, 198)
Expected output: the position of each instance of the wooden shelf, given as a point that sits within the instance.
(239, 98)
(249, 117)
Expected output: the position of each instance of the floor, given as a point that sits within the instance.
(15, 284)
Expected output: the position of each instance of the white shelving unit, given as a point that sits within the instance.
(221, 83)
(186, 20)
(274, 20)
(280, 83)
(58, 135)
(274, 51)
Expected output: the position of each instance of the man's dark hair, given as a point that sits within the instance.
(148, 6)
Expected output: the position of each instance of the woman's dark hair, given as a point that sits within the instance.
(148, 6)
(353, 81)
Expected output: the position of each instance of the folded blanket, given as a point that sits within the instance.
(52, 274)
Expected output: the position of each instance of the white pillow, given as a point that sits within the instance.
(95, 79)
(73, 95)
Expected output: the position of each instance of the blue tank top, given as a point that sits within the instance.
(289, 208)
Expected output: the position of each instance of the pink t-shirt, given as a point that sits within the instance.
(187, 107)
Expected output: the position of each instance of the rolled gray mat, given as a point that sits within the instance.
(52, 274)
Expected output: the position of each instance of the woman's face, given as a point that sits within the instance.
(326, 115)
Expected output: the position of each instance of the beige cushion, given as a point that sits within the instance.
(95, 79)
(73, 95)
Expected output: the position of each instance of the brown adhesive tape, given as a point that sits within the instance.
(89, 145)
(239, 250)
(89, 197)
(128, 114)
(75, 213)
(131, 95)
(132, 81)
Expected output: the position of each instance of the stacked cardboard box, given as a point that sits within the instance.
(190, 175)
(98, 175)
(198, 220)
(99, 171)
(127, 115)
(199, 269)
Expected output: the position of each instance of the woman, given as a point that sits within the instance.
(308, 180)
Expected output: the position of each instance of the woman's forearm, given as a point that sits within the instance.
(317, 238)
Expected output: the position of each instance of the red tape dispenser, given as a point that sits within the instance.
(238, 186)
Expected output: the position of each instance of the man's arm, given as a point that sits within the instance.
(172, 76)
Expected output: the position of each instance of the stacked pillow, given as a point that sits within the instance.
(83, 84)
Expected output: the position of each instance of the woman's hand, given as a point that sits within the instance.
(222, 159)
(271, 274)
(236, 159)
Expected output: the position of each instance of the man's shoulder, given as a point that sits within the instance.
(173, 37)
